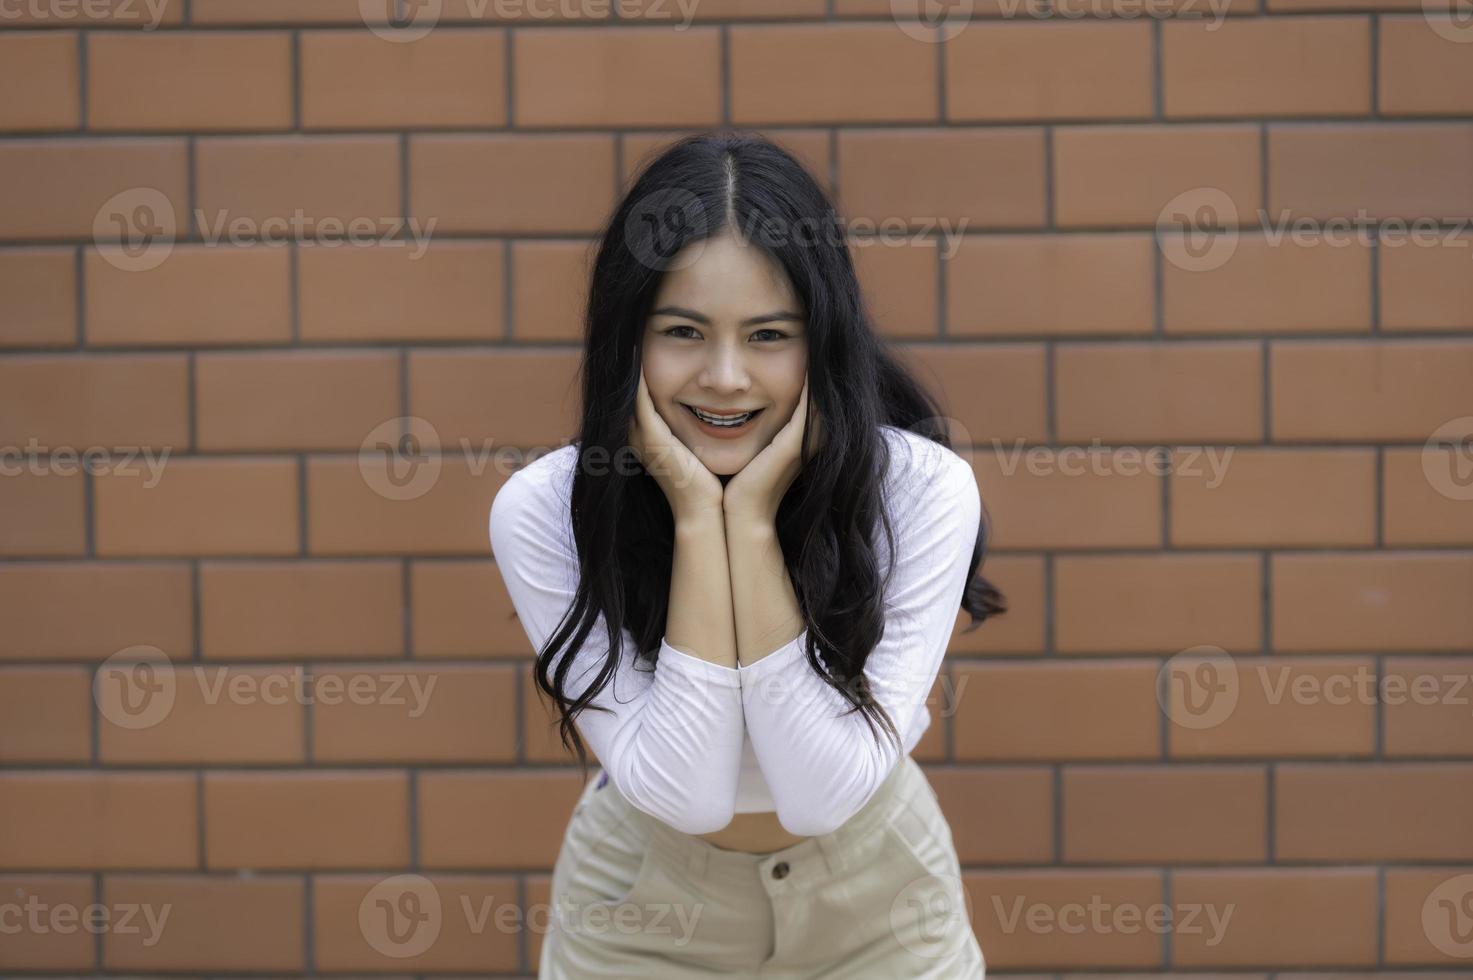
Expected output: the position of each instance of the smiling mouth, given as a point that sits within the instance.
(722, 422)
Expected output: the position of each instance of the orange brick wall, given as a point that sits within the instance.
(1304, 532)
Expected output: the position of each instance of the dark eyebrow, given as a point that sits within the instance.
(778, 317)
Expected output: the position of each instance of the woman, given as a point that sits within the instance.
(755, 552)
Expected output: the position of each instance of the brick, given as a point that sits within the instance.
(1165, 814)
(199, 295)
(1148, 392)
(464, 822)
(415, 713)
(1419, 511)
(997, 815)
(100, 13)
(1372, 601)
(38, 306)
(823, 73)
(986, 393)
(1049, 70)
(84, 401)
(47, 64)
(45, 714)
(1413, 937)
(204, 931)
(89, 610)
(310, 400)
(564, 182)
(449, 77)
(924, 176)
(1020, 578)
(1038, 919)
(284, 819)
(1273, 498)
(1127, 175)
(1295, 283)
(215, 715)
(258, 12)
(1302, 67)
(1419, 72)
(541, 740)
(50, 940)
(62, 188)
(43, 510)
(483, 400)
(189, 80)
(1357, 391)
(1424, 282)
(1100, 711)
(1377, 170)
(288, 179)
(1280, 917)
(1050, 284)
(461, 609)
(1426, 706)
(550, 282)
(200, 506)
(93, 821)
(319, 610)
(1156, 603)
(349, 513)
(475, 934)
(1040, 497)
(1373, 812)
(1280, 707)
(625, 76)
(932, 744)
(899, 284)
(722, 9)
(453, 291)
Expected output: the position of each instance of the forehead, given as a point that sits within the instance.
(724, 278)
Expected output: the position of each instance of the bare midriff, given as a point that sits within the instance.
(757, 833)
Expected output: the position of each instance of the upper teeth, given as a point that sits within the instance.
(718, 419)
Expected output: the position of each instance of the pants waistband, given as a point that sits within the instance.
(825, 853)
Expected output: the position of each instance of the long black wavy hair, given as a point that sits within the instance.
(704, 185)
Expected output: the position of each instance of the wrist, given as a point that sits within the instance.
(749, 526)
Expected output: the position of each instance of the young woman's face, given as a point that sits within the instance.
(701, 351)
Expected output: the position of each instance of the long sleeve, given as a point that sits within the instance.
(672, 739)
(822, 766)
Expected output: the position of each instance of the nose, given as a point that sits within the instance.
(726, 369)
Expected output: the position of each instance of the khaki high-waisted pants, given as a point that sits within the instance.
(879, 897)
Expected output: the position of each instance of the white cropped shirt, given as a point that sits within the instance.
(691, 742)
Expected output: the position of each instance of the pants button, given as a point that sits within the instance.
(780, 870)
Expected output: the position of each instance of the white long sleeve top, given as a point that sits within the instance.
(692, 743)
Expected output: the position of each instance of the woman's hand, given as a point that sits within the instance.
(692, 490)
(754, 493)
